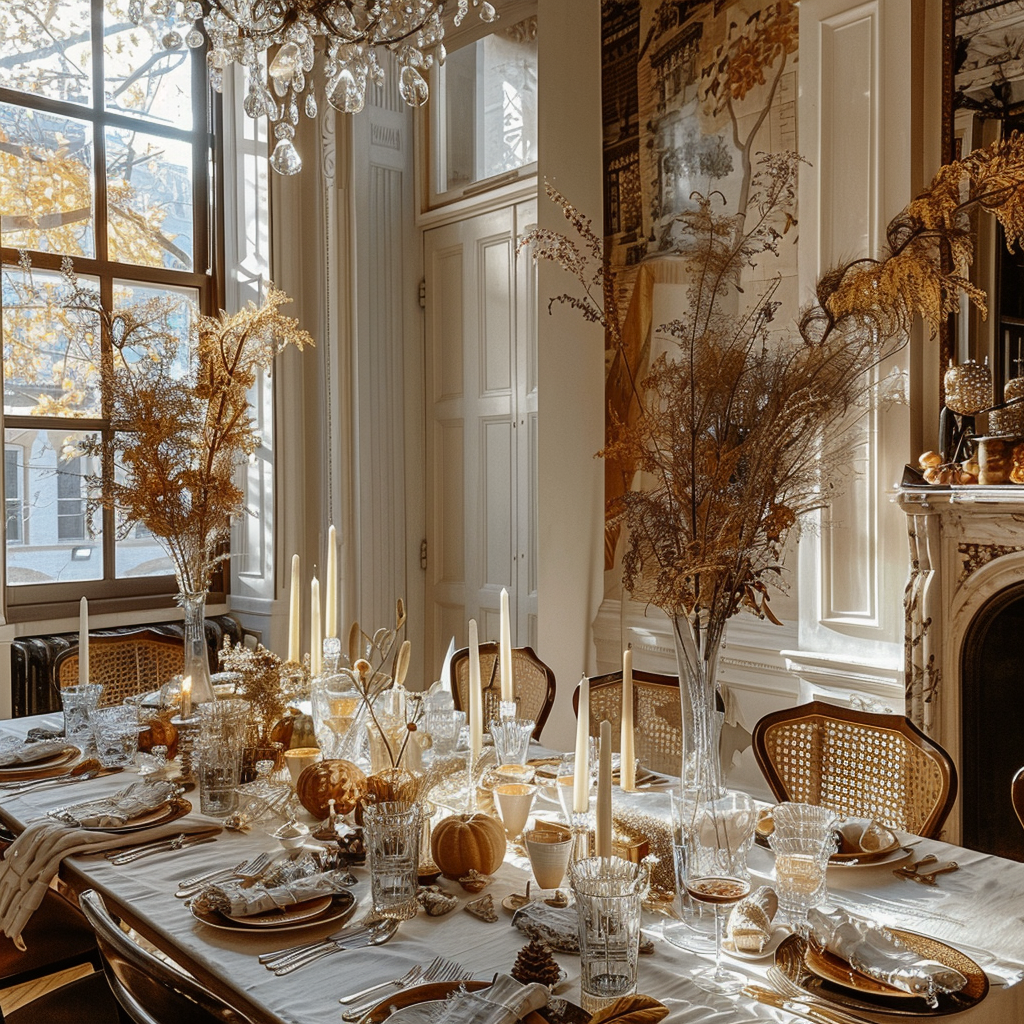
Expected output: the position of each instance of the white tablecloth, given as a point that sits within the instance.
(980, 909)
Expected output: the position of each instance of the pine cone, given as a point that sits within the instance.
(536, 963)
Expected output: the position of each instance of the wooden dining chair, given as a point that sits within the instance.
(125, 664)
(657, 716)
(1017, 794)
(534, 683)
(148, 989)
(858, 763)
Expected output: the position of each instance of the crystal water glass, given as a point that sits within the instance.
(391, 832)
(115, 731)
(512, 739)
(78, 702)
(801, 865)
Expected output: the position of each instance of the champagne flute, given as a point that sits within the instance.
(719, 836)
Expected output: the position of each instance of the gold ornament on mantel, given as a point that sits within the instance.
(968, 387)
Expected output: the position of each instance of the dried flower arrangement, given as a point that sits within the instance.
(735, 431)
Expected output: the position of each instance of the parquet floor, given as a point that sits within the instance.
(18, 995)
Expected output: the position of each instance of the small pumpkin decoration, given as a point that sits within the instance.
(159, 733)
(463, 842)
(389, 785)
(334, 779)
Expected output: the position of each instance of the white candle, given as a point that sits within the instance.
(505, 650)
(83, 641)
(316, 643)
(331, 597)
(476, 697)
(603, 830)
(294, 614)
(581, 773)
(627, 770)
(186, 697)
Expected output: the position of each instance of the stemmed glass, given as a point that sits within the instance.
(718, 838)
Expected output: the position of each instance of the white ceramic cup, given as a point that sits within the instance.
(515, 801)
(549, 856)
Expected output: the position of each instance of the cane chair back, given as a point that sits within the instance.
(859, 764)
(657, 716)
(534, 683)
(1017, 794)
(148, 989)
(125, 664)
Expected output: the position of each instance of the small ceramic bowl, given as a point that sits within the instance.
(292, 835)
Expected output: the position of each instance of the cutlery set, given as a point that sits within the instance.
(910, 871)
(439, 969)
(285, 961)
(183, 840)
(253, 868)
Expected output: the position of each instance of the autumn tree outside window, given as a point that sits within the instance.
(106, 158)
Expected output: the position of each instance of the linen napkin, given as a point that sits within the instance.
(30, 863)
(881, 956)
(505, 1002)
(118, 809)
(862, 835)
(13, 752)
(236, 900)
(750, 922)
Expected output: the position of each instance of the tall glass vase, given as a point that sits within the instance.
(698, 642)
(197, 661)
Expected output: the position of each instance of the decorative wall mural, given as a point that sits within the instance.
(691, 93)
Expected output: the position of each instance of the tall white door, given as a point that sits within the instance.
(481, 420)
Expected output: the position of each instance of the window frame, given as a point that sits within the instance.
(26, 602)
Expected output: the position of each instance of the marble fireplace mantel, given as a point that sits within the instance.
(966, 547)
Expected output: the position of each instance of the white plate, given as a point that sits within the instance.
(900, 853)
(774, 940)
(339, 906)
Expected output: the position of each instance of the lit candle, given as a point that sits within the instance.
(476, 697)
(331, 597)
(316, 643)
(505, 650)
(627, 770)
(581, 772)
(603, 830)
(83, 641)
(186, 697)
(294, 614)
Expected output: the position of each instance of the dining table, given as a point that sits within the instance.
(977, 909)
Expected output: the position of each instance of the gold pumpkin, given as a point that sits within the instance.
(334, 779)
(464, 841)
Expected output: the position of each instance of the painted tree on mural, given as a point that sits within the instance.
(750, 63)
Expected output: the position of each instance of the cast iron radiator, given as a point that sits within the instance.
(33, 691)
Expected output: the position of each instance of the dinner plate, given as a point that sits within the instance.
(558, 1011)
(790, 958)
(285, 915)
(338, 906)
(872, 861)
(162, 815)
(50, 763)
(779, 932)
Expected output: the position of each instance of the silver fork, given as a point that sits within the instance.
(439, 970)
(407, 979)
(190, 886)
(785, 986)
(376, 935)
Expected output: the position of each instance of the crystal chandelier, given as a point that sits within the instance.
(243, 31)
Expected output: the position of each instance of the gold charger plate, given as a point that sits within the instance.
(167, 812)
(790, 958)
(41, 769)
(340, 904)
(559, 1011)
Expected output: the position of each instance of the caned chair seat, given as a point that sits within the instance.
(125, 664)
(857, 763)
(657, 716)
(149, 990)
(1017, 794)
(534, 683)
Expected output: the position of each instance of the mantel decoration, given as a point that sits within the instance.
(176, 440)
(736, 431)
(280, 36)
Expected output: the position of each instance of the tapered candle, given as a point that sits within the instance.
(186, 697)
(603, 830)
(316, 643)
(627, 770)
(294, 614)
(505, 650)
(581, 772)
(476, 697)
(331, 597)
(83, 641)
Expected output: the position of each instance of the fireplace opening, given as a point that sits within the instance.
(992, 722)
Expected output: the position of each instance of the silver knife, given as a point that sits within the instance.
(180, 842)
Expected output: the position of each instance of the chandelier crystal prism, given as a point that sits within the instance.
(275, 42)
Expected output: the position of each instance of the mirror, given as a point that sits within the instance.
(983, 100)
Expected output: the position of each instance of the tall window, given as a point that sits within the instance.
(105, 157)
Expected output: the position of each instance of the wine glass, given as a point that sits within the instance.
(718, 837)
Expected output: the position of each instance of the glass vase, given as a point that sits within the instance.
(197, 661)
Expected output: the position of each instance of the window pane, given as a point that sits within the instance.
(46, 184)
(56, 543)
(145, 77)
(169, 313)
(490, 107)
(149, 197)
(14, 485)
(51, 354)
(47, 48)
